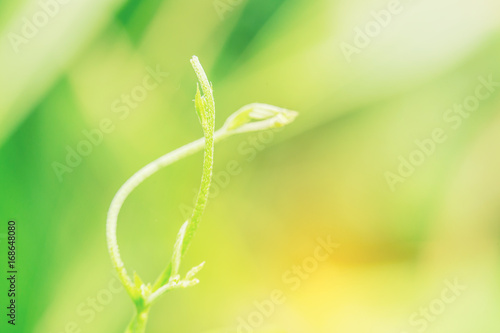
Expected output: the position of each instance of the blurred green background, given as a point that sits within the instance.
(325, 175)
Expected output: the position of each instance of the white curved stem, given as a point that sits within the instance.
(130, 185)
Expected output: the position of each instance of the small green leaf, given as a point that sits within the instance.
(137, 294)
(200, 107)
(137, 280)
(258, 117)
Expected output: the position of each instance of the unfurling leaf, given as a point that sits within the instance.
(258, 117)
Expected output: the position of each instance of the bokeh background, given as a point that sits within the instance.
(322, 176)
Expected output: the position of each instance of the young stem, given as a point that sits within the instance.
(201, 201)
(138, 322)
(130, 185)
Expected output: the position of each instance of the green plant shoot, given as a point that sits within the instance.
(250, 118)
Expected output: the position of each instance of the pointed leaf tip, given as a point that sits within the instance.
(199, 106)
(137, 280)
